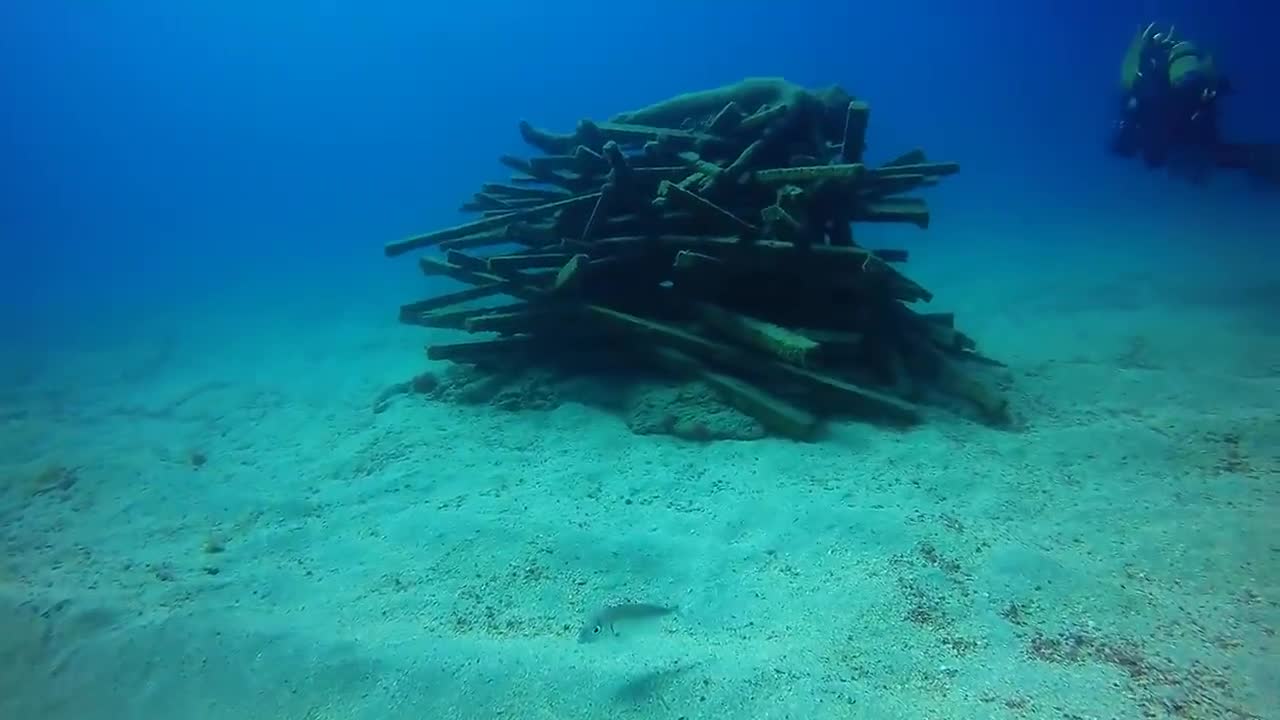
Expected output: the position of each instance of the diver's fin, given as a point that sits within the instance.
(1260, 160)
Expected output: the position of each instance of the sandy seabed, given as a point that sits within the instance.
(214, 524)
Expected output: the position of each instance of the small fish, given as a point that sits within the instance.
(607, 617)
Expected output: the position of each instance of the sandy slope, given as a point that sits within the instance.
(1117, 557)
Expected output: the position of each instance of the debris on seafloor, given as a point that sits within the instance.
(710, 237)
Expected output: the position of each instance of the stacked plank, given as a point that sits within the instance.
(710, 235)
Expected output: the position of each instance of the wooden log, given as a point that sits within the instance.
(647, 223)
(890, 255)
(517, 192)
(745, 163)
(882, 185)
(775, 340)
(570, 277)
(845, 393)
(584, 163)
(770, 251)
(992, 406)
(621, 175)
(721, 217)
(594, 134)
(748, 93)
(479, 351)
(945, 319)
(937, 169)
(904, 288)
(522, 288)
(512, 205)
(884, 360)
(820, 261)
(455, 319)
(836, 344)
(539, 174)
(704, 174)
(615, 244)
(500, 264)
(774, 414)
(521, 320)
(727, 120)
(478, 292)
(523, 180)
(812, 173)
(855, 132)
(948, 338)
(911, 157)
(546, 141)
(780, 224)
(764, 118)
(897, 210)
(458, 231)
(653, 176)
(535, 278)
(483, 238)
(484, 201)
(631, 133)
(517, 232)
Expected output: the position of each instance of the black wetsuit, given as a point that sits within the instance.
(1158, 119)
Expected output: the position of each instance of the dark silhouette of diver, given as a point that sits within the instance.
(1171, 93)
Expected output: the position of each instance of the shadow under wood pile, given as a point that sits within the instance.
(710, 235)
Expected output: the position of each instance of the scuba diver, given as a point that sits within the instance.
(1171, 90)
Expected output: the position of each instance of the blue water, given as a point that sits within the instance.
(191, 148)
(205, 188)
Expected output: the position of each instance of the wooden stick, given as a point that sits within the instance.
(571, 276)
(454, 298)
(517, 320)
(471, 228)
(911, 157)
(775, 414)
(624, 132)
(891, 184)
(455, 319)
(517, 232)
(500, 264)
(847, 393)
(479, 350)
(908, 210)
(855, 132)
(812, 173)
(775, 340)
(514, 288)
(517, 192)
(931, 169)
(686, 199)
(727, 120)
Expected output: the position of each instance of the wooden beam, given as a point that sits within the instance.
(843, 392)
(480, 350)
(454, 298)
(458, 231)
(898, 210)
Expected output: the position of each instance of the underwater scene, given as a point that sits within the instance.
(671, 360)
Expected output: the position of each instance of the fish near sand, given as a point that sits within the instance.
(608, 616)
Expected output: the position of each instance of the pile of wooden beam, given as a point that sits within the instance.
(710, 235)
